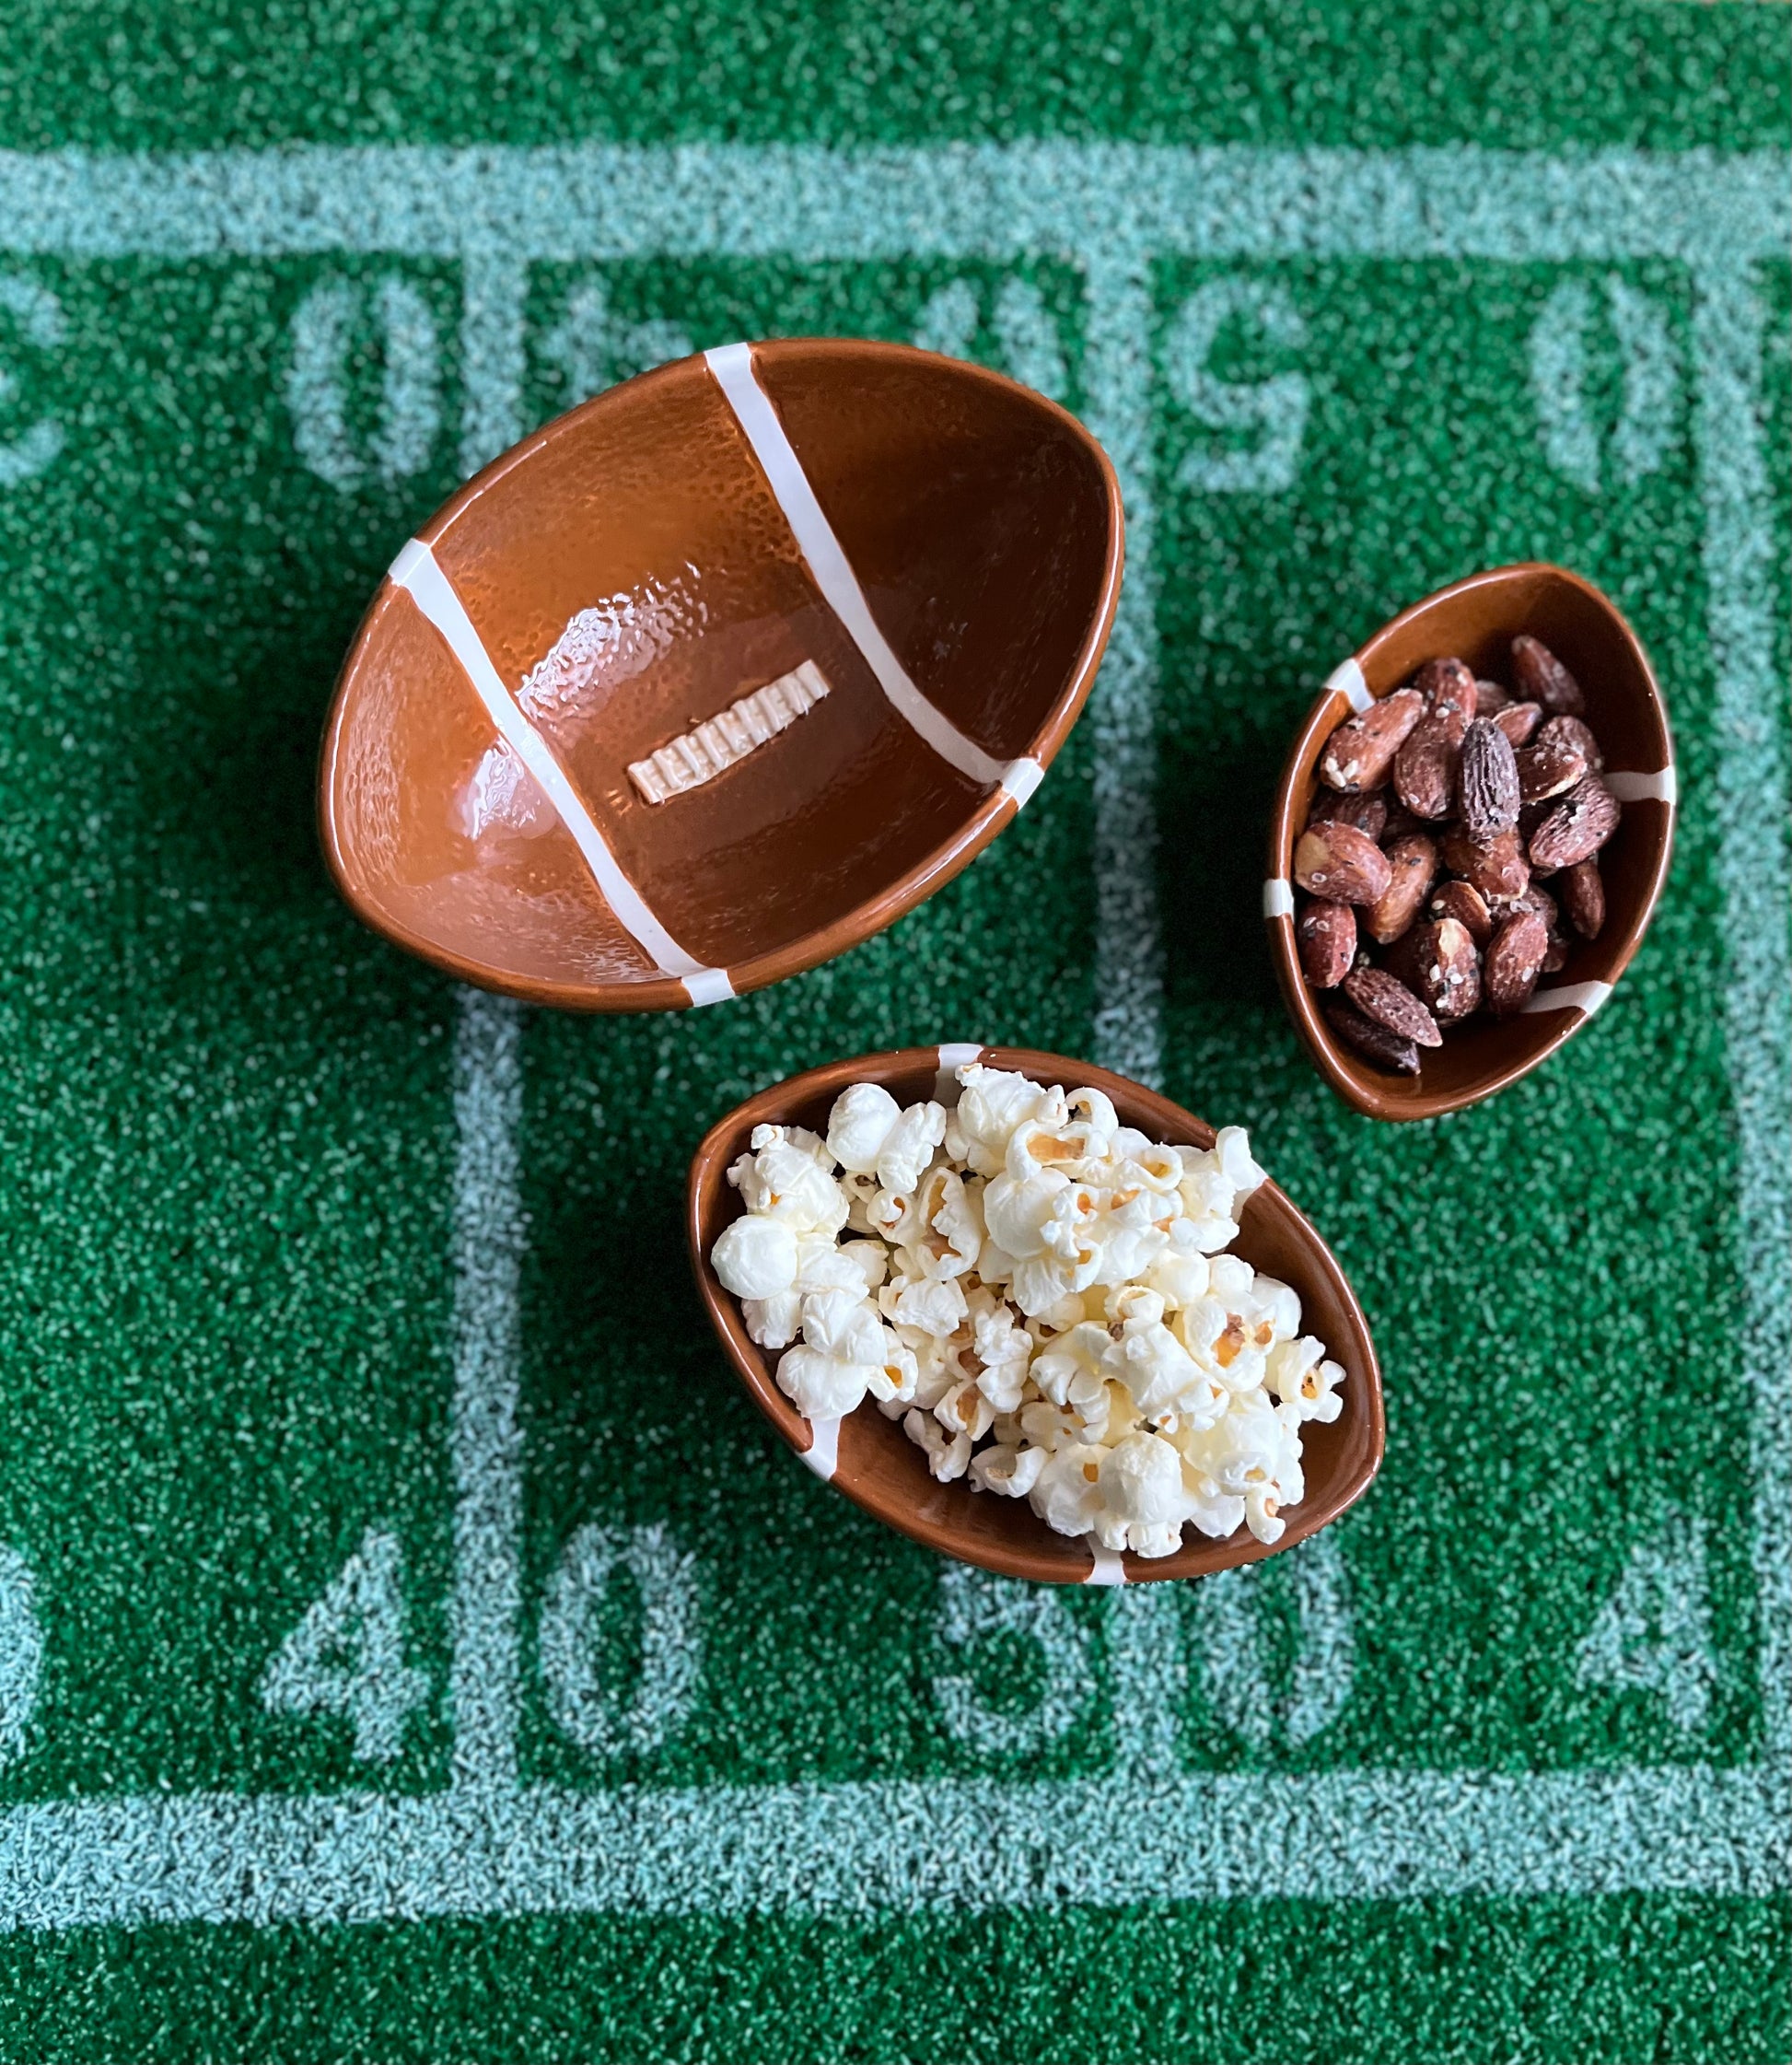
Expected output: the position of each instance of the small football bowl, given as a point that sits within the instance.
(1475, 621)
(719, 673)
(873, 1461)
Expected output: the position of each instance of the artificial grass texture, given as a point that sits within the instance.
(224, 1309)
(1458, 1983)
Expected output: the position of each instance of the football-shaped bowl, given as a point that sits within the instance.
(1476, 621)
(720, 673)
(875, 1464)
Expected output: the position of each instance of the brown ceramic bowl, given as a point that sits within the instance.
(1476, 620)
(538, 772)
(876, 1464)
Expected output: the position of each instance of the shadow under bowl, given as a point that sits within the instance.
(604, 610)
(873, 1461)
(1476, 620)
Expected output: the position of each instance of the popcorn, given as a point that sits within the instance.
(1005, 1351)
(1144, 1503)
(1304, 1381)
(844, 1324)
(934, 1305)
(1002, 1467)
(773, 1322)
(965, 1410)
(783, 1179)
(1043, 1297)
(820, 1386)
(756, 1257)
(1067, 1494)
(908, 1150)
(949, 1455)
(949, 1225)
(993, 1104)
(861, 1120)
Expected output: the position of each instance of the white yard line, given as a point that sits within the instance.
(837, 1849)
(485, 1444)
(1129, 959)
(489, 1847)
(1743, 579)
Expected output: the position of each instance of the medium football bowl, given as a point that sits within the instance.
(873, 1461)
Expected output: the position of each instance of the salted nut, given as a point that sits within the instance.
(1442, 810)
(1338, 862)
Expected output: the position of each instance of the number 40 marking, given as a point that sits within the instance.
(347, 1656)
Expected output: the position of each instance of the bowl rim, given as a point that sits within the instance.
(706, 1183)
(922, 879)
(1348, 690)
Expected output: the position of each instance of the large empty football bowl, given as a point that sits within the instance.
(1476, 621)
(875, 1464)
(720, 674)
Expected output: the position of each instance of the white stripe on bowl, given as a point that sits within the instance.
(952, 1057)
(733, 366)
(417, 571)
(823, 1454)
(1347, 680)
(1278, 898)
(1643, 789)
(1584, 998)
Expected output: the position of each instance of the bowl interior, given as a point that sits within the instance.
(632, 574)
(880, 1468)
(1476, 621)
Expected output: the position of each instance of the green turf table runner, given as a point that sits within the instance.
(411, 1643)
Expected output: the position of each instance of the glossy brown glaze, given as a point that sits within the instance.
(880, 1468)
(1476, 620)
(983, 526)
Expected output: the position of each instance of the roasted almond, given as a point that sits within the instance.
(1401, 824)
(1571, 731)
(1374, 1042)
(1425, 767)
(1535, 898)
(1576, 828)
(1336, 861)
(1495, 866)
(1388, 1002)
(1548, 766)
(1413, 864)
(1541, 677)
(1490, 699)
(1442, 968)
(1359, 753)
(1368, 814)
(1489, 780)
(1465, 904)
(1519, 721)
(1513, 961)
(1325, 935)
(1447, 684)
(1583, 898)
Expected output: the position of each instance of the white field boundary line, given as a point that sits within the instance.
(486, 1846)
(838, 1849)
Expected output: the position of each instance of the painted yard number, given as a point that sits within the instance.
(1219, 1632)
(1252, 432)
(346, 1658)
(1654, 1633)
